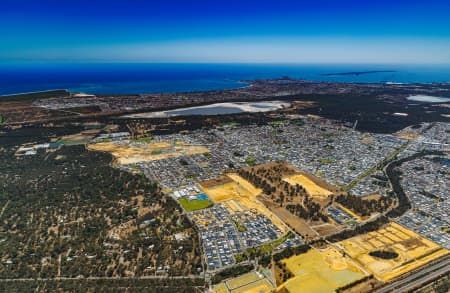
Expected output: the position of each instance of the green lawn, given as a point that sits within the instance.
(142, 139)
(231, 124)
(269, 247)
(196, 204)
(250, 161)
(277, 123)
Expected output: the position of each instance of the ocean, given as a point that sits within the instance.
(122, 78)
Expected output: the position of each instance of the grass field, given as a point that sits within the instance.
(196, 204)
(261, 286)
(320, 271)
(253, 282)
(129, 154)
(412, 249)
(242, 280)
(311, 187)
(143, 139)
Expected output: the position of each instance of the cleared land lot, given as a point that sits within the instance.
(79, 138)
(320, 271)
(413, 251)
(311, 187)
(129, 154)
(225, 189)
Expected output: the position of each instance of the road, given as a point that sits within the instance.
(418, 278)
(104, 278)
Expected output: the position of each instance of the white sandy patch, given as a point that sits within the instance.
(428, 99)
(251, 107)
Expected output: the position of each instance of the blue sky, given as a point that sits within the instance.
(412, 32)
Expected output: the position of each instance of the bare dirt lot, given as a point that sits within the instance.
(320, 271)
(311, 187)
(125, 153)
(411, 249)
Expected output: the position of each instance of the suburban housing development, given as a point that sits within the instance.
(256, 200)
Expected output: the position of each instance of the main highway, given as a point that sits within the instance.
(419, 278)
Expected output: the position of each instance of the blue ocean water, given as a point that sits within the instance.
(118, 78)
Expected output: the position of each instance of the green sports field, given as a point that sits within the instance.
(196, 204)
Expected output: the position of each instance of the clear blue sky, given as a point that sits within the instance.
(340, 31)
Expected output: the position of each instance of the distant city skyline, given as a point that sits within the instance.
(383, 32)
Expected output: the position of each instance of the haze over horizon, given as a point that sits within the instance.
(404, 32)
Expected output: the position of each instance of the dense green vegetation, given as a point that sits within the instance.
(394, 174)
(68, 213)
(231, 273)
(291, 251)
(384, 254)
(370, 110)
(161, 285)
(365, 207)
(361, 229)
(270, 180)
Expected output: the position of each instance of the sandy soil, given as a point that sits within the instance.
(412, 249)
(311, 187)
(320, 271)
(127, 154)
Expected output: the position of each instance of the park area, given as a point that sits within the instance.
(409, 249)
(253, 282)
(320, 271)
(195, 204)
(126, 152)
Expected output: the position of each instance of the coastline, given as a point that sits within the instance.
(121, 79)
(34, 92)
